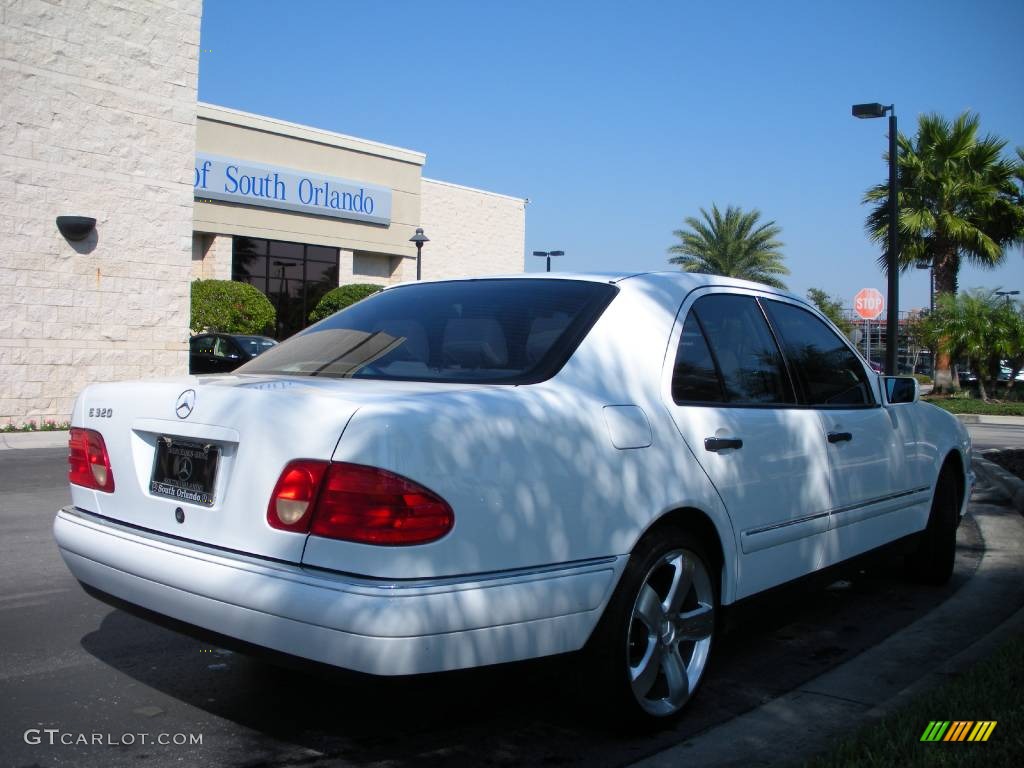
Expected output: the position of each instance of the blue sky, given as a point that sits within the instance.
(618, 119)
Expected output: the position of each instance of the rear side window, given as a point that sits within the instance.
(485, 331)
(825, 368)
(743, 350)
(202, 345)
(695, 379)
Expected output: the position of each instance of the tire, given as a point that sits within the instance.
(932, 562)
(645, 665)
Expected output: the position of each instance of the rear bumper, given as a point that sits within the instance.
(367, 625)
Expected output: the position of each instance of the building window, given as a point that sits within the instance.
(292, 275)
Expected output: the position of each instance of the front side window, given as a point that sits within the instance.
(484, 331)
(825, 368)
(223, 348)
(743, 349)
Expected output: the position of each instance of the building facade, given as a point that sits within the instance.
(296, 211)
(99, 119)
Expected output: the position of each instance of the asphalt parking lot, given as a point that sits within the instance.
(74, 664)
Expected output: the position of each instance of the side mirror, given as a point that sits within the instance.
(901, 389)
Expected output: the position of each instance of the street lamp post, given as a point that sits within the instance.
(892, 262)
(930, 266)
(1007, 295)
(419, 238)
(547, 255)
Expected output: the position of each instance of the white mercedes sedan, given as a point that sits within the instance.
(454, 474)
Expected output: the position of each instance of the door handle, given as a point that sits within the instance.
(840, 437)
(716, 444)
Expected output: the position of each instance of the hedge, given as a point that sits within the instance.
(230, 307)
(341, 297)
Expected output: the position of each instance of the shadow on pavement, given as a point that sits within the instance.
(526, 713)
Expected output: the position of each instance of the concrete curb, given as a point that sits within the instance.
(1008, 484)
(22, 440)
(882, 678)
(976, 418)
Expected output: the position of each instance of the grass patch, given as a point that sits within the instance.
(971, 405)
(31, 426)
(991, 690)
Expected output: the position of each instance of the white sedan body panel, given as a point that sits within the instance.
(551, 485)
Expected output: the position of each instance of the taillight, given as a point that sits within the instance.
(88, 460)
(357, 503)
(291, 503)
(374, 506)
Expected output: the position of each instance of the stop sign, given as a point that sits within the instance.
(868, 303)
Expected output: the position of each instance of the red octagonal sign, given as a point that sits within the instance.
(868, 303)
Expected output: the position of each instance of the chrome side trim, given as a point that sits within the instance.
(880, 499)
(784, 524)
(837, 511)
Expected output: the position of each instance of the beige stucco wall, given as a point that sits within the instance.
(472, 232)
(97, 118)
(211, 256)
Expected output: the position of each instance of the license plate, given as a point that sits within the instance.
(184, 471)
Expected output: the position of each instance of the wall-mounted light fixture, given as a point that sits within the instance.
(75, 227)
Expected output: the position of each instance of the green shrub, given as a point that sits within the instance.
(341, 297)
(923, 378)
(971, 405)
(230, 307)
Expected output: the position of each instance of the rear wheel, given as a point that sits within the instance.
(932, 562)
(653, 644)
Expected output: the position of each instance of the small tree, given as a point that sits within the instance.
(830, 308)
(973, 324)
(1011, 339)
(230, 307)
(341, 297)
(915, 332)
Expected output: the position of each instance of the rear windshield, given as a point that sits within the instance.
(485, 331)
(255, 345)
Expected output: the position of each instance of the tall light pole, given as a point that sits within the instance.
(892, 324)
(547, 255)
(1007, 295)
(419, 238)
(930, 266)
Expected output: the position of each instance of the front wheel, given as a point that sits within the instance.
(653, 643)
(932, 562)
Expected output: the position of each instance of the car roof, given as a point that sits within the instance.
(677, 279)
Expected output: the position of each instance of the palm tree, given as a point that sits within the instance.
(979, 326)
(958, 201)
(733, 245)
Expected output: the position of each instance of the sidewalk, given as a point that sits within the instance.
(803, 722)
(974, 418)
(16, 440)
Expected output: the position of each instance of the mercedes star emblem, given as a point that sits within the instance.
(186, 402)
(183, 468)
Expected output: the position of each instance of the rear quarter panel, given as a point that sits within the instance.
(531, 472)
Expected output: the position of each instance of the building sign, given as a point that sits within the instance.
(241, 181)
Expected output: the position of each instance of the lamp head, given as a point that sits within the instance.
(864, 111)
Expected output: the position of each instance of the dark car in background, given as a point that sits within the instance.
(223, 352)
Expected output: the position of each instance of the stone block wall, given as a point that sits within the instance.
(97, 118)
(472, 232)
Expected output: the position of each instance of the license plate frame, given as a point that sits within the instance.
(185, 470)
